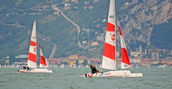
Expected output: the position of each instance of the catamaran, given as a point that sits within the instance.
(32, 57)
(109, 58)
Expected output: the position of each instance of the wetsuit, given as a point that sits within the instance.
(93, 70)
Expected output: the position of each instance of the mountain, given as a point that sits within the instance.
(67, 27)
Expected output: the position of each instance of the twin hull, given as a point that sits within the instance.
(122, 73)
(36, 71)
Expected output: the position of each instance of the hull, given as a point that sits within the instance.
(35, 71)
(122, 73)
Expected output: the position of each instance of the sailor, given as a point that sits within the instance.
(27, 68)
(24, 67)
(94, 70)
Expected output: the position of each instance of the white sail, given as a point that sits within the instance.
(32, 57)
(125, 62)
(109, 59)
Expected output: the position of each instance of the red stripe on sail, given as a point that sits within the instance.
(110, 27)
(125, 58)
(32, 43)
(120, 32)
(42, 59)
(109, 51)
(32, 57)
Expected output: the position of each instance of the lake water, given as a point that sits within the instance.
(68, 78)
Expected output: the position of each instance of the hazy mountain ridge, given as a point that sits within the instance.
(142, 18)
(85, 35)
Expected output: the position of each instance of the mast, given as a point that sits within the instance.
(109, 58)
(32, 57)
(115, 28)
